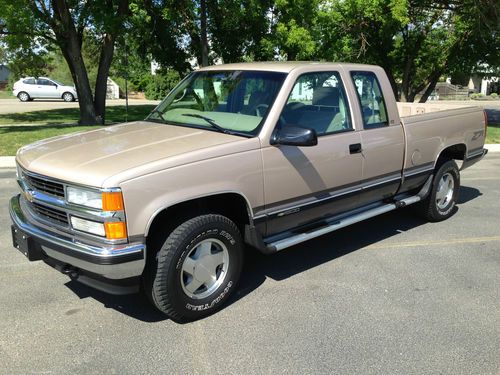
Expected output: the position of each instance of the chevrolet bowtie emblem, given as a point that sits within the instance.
(30, 195)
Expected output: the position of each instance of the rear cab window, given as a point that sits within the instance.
(371, 99)
(318, 101)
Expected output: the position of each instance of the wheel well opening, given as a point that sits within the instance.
(456, 152)
(231, 205)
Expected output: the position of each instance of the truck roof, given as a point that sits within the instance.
(281, 66)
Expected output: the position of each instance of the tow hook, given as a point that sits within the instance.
(71, 271)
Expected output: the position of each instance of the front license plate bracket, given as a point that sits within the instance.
(26, 244)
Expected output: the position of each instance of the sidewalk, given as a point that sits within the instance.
(9, 161)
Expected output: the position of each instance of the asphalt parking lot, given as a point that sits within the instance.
(392, 295)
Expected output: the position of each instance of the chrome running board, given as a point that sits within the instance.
(302, 237)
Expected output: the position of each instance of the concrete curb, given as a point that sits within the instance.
(7, 161)
(10, 161)
(493, 147)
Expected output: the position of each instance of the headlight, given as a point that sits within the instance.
(84, 197)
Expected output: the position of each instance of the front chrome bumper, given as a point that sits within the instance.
(119, 261)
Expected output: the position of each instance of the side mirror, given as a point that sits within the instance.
(291, 135)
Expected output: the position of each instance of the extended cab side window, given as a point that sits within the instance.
(371, 99)
(318, 101)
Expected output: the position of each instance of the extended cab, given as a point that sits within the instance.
(264, 154)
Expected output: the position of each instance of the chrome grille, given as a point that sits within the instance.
(49, 213)
(45, 186)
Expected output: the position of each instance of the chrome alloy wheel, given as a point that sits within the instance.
(444, 193)
(67, 97)
(24, 97)
(205, 268)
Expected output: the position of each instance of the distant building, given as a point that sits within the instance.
(113, 90)
(4, 75)
(484, 85)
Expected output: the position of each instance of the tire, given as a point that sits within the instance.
(196, 269)
(23, 96)
(440, 203)
(68, 97)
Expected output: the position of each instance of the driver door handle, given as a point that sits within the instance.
(355, 148)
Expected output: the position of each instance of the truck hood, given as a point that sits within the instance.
(107, 156)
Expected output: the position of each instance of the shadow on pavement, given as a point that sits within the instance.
(282, 265)
(134, 305)
(467, 194)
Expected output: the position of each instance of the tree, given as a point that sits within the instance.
(416, 41)
(294, 29)
(238, 29)
(31, 25)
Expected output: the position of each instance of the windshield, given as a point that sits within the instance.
(230, 101)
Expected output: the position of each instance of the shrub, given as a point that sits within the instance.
(160, 84)
(476, 95)
(494, 95)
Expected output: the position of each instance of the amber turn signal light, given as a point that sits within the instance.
(116, 230)
(112, 201)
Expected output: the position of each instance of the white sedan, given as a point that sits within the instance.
(30, 88)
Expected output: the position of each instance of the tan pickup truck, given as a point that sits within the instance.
(263, 154)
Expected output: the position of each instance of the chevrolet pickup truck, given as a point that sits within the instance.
(262, 155)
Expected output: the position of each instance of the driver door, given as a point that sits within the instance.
(46, 88)
(305, 184)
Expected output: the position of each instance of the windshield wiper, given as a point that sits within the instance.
(210, 121)
(159, 113)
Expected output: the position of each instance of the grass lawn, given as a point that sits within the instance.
(493, 133)
(71, 115)
(13, 137)
(6, 95)
(50, 123)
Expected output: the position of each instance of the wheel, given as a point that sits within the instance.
(442, 199)
(23, 96)
(68, 97)
(196, 269)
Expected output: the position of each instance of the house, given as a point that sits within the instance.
(484, 84)
(112, 90)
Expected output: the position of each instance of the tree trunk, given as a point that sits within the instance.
(101, 84)
(432, 84)
(105, 59)
(203, 31)
(406, 97)
(393, 83)
(68, 41)
(81, 80)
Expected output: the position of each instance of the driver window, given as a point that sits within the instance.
(318, 101)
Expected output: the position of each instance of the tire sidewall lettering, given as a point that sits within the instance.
(205, 234)
(218, 296)
(213, 303)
